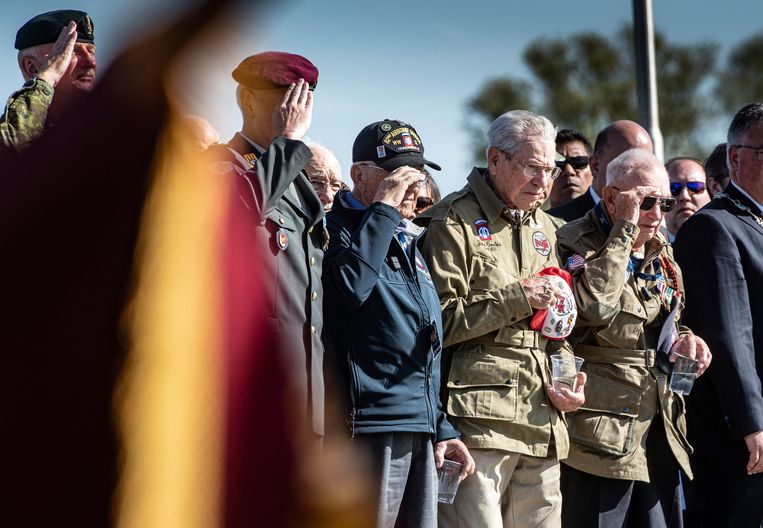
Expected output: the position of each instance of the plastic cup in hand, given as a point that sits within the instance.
(447, 481)
(684, 374)
(564, 370)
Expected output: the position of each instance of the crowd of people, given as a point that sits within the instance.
(421, 317)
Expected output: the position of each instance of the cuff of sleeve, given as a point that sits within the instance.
(387, 210)
(39, 84)
(515, 304)
(445, 431)
(623, 234)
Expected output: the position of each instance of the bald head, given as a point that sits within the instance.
(325, 174)
(612, 141)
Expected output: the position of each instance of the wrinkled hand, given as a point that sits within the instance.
(627, 203)
(454, 449)
(565, 399)
(395, 186)
(292, 118)
(694, 347)
(541, 292)
(754, 443)
(60, 57)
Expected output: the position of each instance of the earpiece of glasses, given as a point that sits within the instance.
(694, 187)
(576, 162)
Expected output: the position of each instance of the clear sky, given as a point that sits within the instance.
(418, 61)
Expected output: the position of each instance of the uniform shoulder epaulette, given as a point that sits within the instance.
(441, 210)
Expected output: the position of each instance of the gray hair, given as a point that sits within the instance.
(511, 129)
(747, 116)
(624, 166)
(323, 158)
(35, 53)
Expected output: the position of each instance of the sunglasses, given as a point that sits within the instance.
(693, 187)
(576, 162)
(424, 201)
(666, 204)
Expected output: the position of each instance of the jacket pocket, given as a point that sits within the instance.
(606, 421)
(483, 386)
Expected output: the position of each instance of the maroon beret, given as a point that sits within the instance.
(275, 69)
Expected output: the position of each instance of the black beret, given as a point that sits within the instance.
(275, 69)
(46, 28)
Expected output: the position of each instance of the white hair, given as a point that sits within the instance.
(623, 167)
(511, 129)
(323, 158)
(35, 53)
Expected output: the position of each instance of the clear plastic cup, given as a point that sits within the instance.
(447, 481)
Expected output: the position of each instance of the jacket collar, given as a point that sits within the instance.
(487, 198)
(737, 193)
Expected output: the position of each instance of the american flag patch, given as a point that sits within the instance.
(574, 262)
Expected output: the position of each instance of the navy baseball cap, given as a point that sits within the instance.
(390, 144)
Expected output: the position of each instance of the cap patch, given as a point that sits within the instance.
(402, 139)
(381, 152)
(386, 127)
(483, 231)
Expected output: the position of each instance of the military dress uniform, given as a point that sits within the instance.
(288, 220)
(632, 427)
(25, 113)
(495, 367)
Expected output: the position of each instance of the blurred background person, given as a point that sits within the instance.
(200, 132)
(429, 194)
(688, 186)
(325, 174)
(717, 170)
(576, 175)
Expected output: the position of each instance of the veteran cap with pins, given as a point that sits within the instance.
(390, 144)
(46, 28)
(275, 69)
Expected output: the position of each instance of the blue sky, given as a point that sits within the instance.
(418, 61)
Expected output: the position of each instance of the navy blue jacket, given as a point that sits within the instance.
(382, 324)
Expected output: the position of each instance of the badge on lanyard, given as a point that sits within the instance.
(282, 239)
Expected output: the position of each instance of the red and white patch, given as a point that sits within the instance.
(407, 139)
(483, 231)
(541, 243)
(282, 239)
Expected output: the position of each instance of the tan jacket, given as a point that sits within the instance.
(617, 322)
(495, 366)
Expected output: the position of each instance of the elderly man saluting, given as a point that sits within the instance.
(628, 440)
(383, 328)
(486, 245)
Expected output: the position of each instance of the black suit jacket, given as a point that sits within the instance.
(720, 251)
(574, 209)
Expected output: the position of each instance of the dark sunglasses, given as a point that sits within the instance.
(666, 204)
(576, 162)
(693, 187)
(424, 201)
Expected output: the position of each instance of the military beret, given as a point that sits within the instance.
(46, 28)
(275, 69)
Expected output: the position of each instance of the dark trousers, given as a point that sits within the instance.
(725, 496)
(589, 501)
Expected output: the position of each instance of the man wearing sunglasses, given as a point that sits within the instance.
(628, 441)
(720, 250)
(688, 187)
(612, 141)
(575, 176)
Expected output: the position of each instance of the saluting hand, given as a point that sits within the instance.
(292, 118)
(628, 203)
(60, 57)
(393, 189)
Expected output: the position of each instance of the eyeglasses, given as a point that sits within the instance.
(320, 185)
(758, 150)
(666, 204)
(576, 162)
(531, 171)
(694, 187)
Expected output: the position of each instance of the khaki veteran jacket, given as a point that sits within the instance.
(495, 367)
(621, 313)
